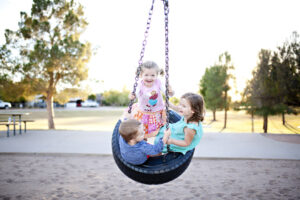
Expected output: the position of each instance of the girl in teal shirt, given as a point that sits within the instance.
(185, 134)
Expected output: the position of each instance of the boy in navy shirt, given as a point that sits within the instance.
(134, 149)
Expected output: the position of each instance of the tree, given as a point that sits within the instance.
(294, 95)
(116, 98)
(211, 89)
(280, 67)
(286, 68)
(275, 86)
(92, 97)
(214, 85)
(247, 104)
(225, 63)
(64, 96)
(6, 83)
(262, 94)
(50, 50)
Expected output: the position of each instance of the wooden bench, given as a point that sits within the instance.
(7, 124)
(25, 121)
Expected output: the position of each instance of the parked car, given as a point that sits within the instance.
(89, 103)
(5, 105)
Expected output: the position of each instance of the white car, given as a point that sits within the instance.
(5, 105)
(89, 103)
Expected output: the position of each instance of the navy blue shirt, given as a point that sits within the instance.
(137, 154)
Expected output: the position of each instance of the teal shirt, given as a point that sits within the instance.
(177, 133)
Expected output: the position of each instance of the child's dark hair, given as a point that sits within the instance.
(197, 104)
(151, 65)
(128, 129)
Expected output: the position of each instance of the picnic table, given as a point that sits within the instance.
(13, 121)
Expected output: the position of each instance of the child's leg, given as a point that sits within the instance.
(152, 134)
(164, 116)
(159, 154)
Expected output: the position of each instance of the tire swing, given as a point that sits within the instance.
(164, 168)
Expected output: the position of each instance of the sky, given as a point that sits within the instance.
(199, 31)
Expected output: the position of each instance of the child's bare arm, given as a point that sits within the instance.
(174, 107)
(167, 134)
(189, 135)
(171, 91)
(153, 134)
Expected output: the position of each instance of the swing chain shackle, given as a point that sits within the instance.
(138, 72)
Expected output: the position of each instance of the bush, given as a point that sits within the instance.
(115, 98)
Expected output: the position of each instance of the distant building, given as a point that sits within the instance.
(74, 102)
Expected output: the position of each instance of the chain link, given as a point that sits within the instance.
(166, 12)
(141, 55)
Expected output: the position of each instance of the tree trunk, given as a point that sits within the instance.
(225, 120)
(265, 126)
(50, 110)
(252, 121)
(225, 106)
(214, 115)
(283, 118)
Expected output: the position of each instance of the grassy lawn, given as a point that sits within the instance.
(239, 122)
(104, 119)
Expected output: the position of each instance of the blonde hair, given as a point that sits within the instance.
(151, 65)
(196, 102)
(128, 129)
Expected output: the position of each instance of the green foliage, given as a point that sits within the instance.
(48, 40)
(116, 98)
(275, 86)
(287, 69)
(214, 83)
(50, 50)
(261, 90)
(267, 93)
(13, 91)
(92, 97)
(64, 96)
(211, 87)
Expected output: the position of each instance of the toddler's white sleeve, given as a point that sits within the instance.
(138, 89)
(162, 85)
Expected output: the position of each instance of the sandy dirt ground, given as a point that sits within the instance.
(69, 176)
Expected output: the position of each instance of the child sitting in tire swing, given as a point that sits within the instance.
(150, 108)
(134, 149)
(185, 134)
(182, 136)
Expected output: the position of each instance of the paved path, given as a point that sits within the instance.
(212, 145)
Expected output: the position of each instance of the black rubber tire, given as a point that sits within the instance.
(156, 170)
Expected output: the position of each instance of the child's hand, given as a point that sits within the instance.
(167, 134)
(126, 116)
(171, 91)
(131, 96)
(153, 134)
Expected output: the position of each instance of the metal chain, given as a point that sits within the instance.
(166, 12)
(141, 55)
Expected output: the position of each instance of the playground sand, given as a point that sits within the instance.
(77, 176)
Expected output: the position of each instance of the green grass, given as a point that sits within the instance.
(104, 119)
(239, 122)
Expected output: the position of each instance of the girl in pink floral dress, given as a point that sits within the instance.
(150, 109)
